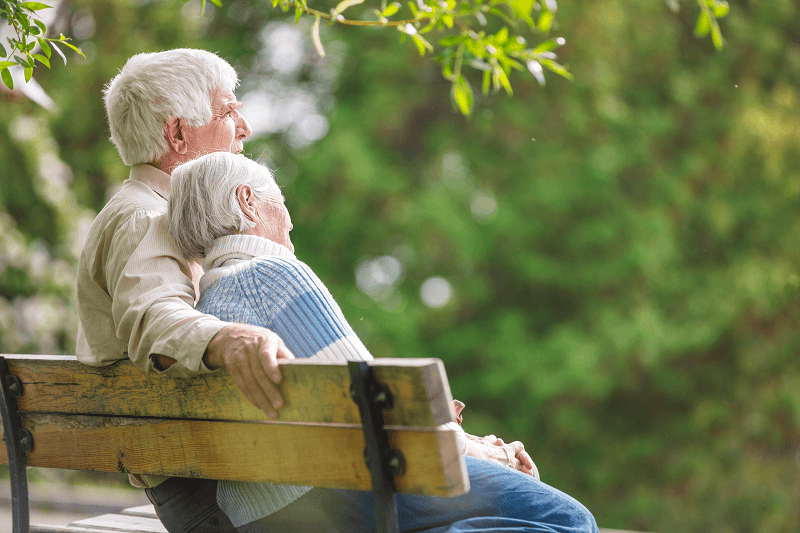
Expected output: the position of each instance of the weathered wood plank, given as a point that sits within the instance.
(146, 511)
(307, 454)
(313, 391)
(120, 522)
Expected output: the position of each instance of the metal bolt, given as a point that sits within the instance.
(353, 393)
(380, 397)
(394, 462)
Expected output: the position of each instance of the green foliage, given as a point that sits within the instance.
(29, 32)
(468, 38)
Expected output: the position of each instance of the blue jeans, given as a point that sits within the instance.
(500, 500)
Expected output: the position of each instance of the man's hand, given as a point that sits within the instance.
(250, 354)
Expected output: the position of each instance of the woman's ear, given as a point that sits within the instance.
(174, 135)
(247, 201)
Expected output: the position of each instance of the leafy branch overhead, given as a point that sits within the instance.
(488, 36)
(481, 39)
(29, 31)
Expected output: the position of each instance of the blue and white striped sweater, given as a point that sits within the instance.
(256, 281)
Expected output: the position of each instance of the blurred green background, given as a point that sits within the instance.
(608, 267)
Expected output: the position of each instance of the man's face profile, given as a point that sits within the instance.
(225, 132)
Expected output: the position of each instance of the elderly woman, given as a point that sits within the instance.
(228, 210)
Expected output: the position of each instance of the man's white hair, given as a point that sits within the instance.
(153, 87)
(202, 200)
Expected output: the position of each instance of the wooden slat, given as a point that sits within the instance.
(120, 522)
(313, 391)
(309, 454)
(146, 511)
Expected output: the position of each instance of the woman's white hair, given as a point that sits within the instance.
(153, 87)
(202, 200)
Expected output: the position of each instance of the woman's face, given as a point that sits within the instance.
(274, 222)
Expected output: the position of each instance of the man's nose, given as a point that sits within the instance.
(243, 129)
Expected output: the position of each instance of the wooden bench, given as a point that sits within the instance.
(58, 413)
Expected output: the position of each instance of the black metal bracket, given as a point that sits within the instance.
(383, 461)
(19, 442)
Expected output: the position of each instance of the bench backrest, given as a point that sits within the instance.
(119, 419)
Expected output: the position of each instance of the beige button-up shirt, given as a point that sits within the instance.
(136, 293)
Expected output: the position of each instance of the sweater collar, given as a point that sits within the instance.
(153, 178)
(233, 249)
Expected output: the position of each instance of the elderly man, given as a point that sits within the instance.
(229, 210)
(135, 291)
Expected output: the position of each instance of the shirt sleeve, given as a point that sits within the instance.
(153, 298)
(461, 436)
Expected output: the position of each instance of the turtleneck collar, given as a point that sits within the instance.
(233, 249)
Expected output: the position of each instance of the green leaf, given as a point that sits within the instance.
(22, 62)
(45, 47)
(716, 36)
(298, 12)
(501, 36)
(3, 51)
(35, 30)
(452, 40)
(7, 79)
(202, 6)
(391, 9)
(545, 46)
(22, 18)
(28, 74)
(315, 37)
(545, 21)
(413, 7)
(422, 45)
(703, 24)
(462, 95)
(447, 71)
(217, 3)
(341, 6)
(41, 25)
(43, 60)
(552, 66)
(522, 10)
(720, 8)
(487, 78)
(511, 22)
(58, 50)
(74, 48)
(34, 6)
(6, 64)
(502, 78)
(448, 19)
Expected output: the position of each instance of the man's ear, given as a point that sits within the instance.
(247, 201)
(173, 132)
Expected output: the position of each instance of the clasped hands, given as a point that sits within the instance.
(493, 448)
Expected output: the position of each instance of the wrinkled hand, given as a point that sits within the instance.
(518, 458)
(250, 354)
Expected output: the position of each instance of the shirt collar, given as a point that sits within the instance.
(233, 249)
(153, 178)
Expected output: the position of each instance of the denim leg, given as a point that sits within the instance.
(500, 500)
